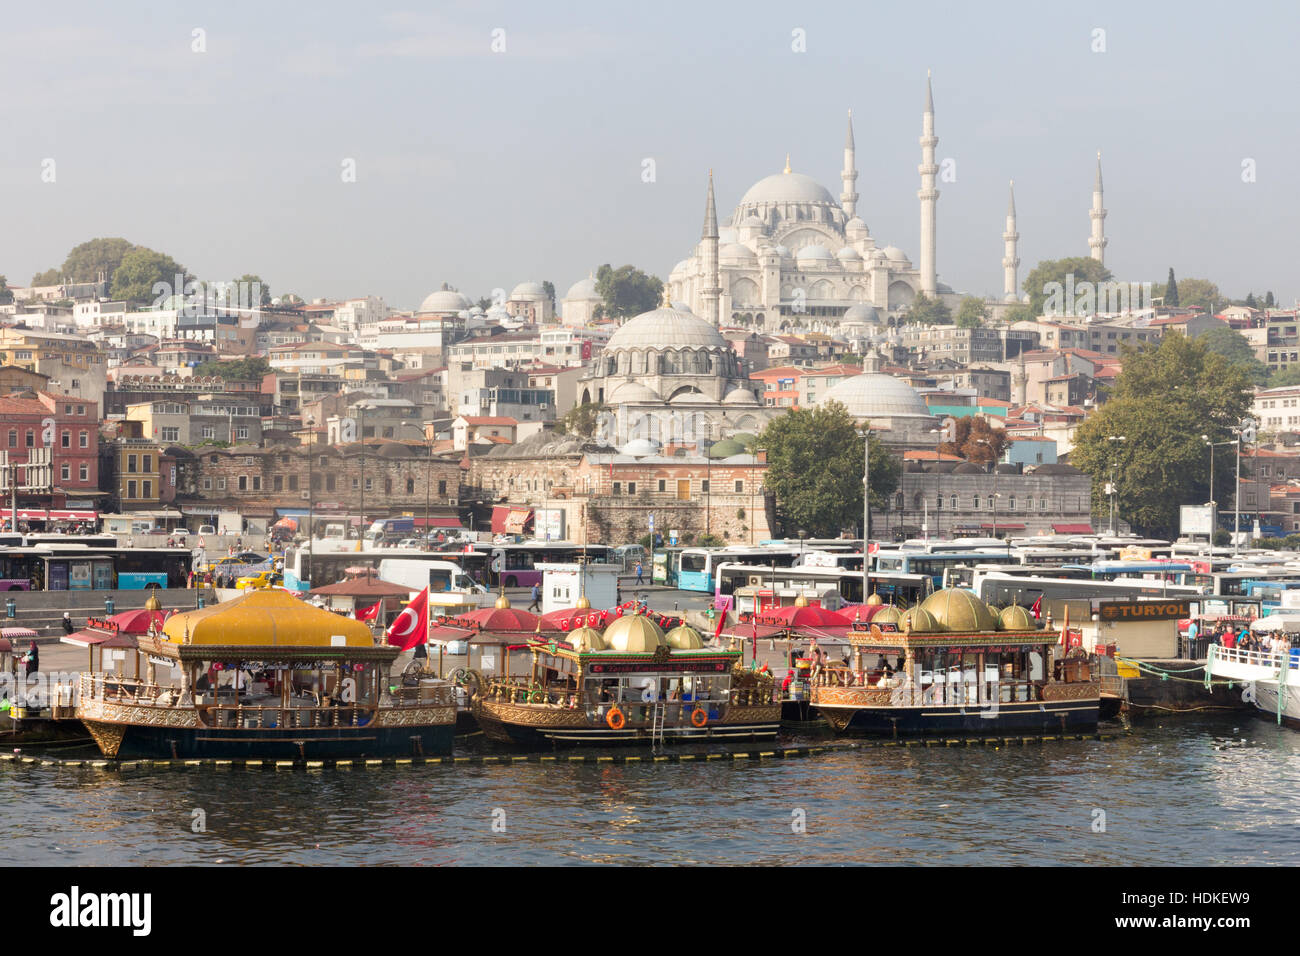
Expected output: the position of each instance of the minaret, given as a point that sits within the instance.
(709, 240)
(928, 195)
(1097, 244)
(1010, 261)
(849, 176)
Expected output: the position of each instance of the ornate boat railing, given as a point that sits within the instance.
(1237, 655)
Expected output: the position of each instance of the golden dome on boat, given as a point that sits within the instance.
(916, 619)
(684, 638)
(583, 603)
(874, 599)
(634, 634)
(153, 604)
(1017, 618)
(503, 603)
(585, 639)
(888, 615)
(266, 618)
(801, 601)
(956, 609)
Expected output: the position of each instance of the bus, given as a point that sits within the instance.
(963, 575)
(330, 566)
(936, 564)
(844, 560)
(999, 588)
(36, 539)
(513, 565)
(698, 566)
(902, 589)
(75, 568)
(438, 576)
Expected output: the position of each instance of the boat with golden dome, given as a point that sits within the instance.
(632, 683)
(263, 676)
(952, 665)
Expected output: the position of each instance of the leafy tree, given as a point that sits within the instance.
(484, 303)
(1232, 345)
(1171, 289)
(289, 298)
(1285, 376)
(1164, 400)
(1019, 313)
(627, 291)
(1038, 283)
(581, 421)
(86, 261)
(549, 288)
(1250, 301)
(48, 277)
(814, 468)
(140, 270)
(5, 295)
(250, 281)
(1199, 294)
(239, 370)
(973, 313)
(929, 311)
(976, 440)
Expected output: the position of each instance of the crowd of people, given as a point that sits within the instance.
(1225, 634)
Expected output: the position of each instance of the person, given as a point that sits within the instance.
(537, 599)
(67, 623)
(638, 573)
(32, 659)
(785, 684)
(1229, 640)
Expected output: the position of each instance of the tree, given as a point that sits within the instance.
(1164, 400)
(48, 277)
(976, 440)
(972, 313)
(141, 270)
(1285, 376)
(86, 262)
(1232, 345)
(484, 303)
(5, 295)
(239, 370)
(1269, 301)
(1019, 313)
(929, 311)
(1199, 294)
(1250, 301)
(249, 282)
(581, 420)
(627, 291)
(1171, 289)
(1039, 283)
(814, 468)
(549, 288)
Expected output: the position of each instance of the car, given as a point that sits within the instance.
(410, 543)
(258, 582)
(207, 529)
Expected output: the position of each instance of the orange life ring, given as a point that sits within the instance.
(615, 719)
(698, 717)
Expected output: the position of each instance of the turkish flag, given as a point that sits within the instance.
(1037, 609)
(369, 613)
(412, 625)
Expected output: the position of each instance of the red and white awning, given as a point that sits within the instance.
(52, 514)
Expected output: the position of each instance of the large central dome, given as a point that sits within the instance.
(666, 328)
(786, 187)
(876, 395)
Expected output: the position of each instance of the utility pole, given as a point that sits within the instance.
(866, 507)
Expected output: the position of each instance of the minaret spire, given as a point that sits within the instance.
(928, 194)
(712, 289)
(1010, 260)
(849, 198)
(1097, 242)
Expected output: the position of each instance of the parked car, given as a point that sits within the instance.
(257, 582)
(207, 529)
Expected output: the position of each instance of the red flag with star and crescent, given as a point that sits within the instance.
(412, 625)
(369, 613)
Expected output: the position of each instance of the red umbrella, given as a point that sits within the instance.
(860, 612)
(502, 620)
(795, 616)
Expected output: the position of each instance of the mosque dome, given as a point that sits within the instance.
(684, 638)
(726, 448)
(861, 312)
(876, 395)
(582, 289)
(634, 634)
(855, 227)
(786, 188)
(632, 392)
(894, 254)
(682, 268)
(585, 639)
(849, 254)
(739, 396)
(814, 255)
(528, 290)
(640, 448)
(734, 251)
(956, 609)
(666, 328)
(445, 299)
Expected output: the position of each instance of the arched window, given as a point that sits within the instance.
(954, 502)
(977, 503)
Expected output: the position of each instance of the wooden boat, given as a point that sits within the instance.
(953, 666)
(631, 685)
(262, 676)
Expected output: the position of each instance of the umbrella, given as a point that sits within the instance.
(796, 616)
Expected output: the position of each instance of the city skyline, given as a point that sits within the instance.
(485, 169)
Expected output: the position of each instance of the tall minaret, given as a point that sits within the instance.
(1097, 244)
(709, 242)
(928, 195)
(849, 176)
(1010, 261)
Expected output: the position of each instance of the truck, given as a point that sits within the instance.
(403, 527)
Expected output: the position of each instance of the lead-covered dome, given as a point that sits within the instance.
(582, 290)
(786, 188)
(876, 395)
(666, 328)
(528, 290)
(445, 299)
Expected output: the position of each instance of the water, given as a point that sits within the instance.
(1191, 791)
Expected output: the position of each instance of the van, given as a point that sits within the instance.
(207, 529)
(630, 554)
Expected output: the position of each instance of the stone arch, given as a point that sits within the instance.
(822, 289)
(901, 294)
(744, 292)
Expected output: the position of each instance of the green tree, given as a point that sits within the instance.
(1171, 289)
(627, 291)
(1269, 301)
(581, 420)
(1019, 313)
(141, 270)
(48, 277)
(1285, 376)
(250, 281)
(928, 311)
(484, 303)
(1048, 278)
(549, 288)
(1164, 400)
(1199, 294)
(1250, 301)
(239, 370)
(1232, 345)
(5, 295)
(814, 468)
(86, 261)
(972, 313)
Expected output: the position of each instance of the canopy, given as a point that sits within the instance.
(289, 524)
(1288, 623)
(1072, 529)
(499, 620)
(266, 618)
(799, 617)
(507, 520)
(97, 638)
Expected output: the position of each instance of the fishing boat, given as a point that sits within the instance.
(953, 666)
(1271, 679)
(630, 684)
(262, 676)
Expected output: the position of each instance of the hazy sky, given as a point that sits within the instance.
(483, 169)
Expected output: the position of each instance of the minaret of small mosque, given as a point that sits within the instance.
(1097, 243)
(849, 175)
(1010, 261)
(709, 247)
(928, 194)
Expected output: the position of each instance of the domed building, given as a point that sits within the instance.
(792, 255)
(897, 413)
(578, 307)
(530, 302)
(446, 301)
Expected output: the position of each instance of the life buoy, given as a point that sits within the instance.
(537, 697)
(698, 717)
(615, 719)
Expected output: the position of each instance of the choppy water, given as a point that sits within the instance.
(1202, 791)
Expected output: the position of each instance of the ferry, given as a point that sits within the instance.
(632, 684)
(1272, 678)
(954, 666)
(261, 676)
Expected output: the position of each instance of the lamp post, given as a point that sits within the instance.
(1214, 505)
(428, 480)
(361, 437)
(311, 491)
(1111, 488)
(985, 441)
(866, 506)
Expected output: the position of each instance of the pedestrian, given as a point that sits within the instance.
(32, 659)
(639, 572)
(537, 598)
(67, 623)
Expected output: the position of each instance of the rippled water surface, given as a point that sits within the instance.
(1202, 791)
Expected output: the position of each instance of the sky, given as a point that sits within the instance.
(222, 133)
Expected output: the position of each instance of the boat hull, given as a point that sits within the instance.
(550, 727)
(1266, 702)
(1027, 717)
(132, 741)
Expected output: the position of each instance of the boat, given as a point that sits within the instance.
(1271, 678)
(264, 675)
(952, 666)
(632, 684)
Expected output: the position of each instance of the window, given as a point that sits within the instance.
(221, 484)
(131, 463)
(329, 483)
(704, 487)
(257, 482)
(977, 503)
(84, 473)
(146, 489)
(130, 489)
(66, 473)
(442, 488)
(618, 487)
(370, 484)
(663, 485)
(277, 483)
(241, 432)
(147, 467)
(207, 484)
(209, 431)
(740, 485)
(293, 482)
(65, 438)
(13, 438)
(31, 438)
(243, 482)
(1011, 505)
(410, 486)
(171, 434)
(631, 487)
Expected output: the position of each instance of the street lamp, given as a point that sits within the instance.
(311, 491)
(361, 437)
(1111, 488)
(1214, 505)
(985, 441)
(866, 504)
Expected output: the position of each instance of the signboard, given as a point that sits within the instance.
(79, 575)
(1154, 610)
(652, 522)
(1196, 519)
(714, 666)
(548, 524)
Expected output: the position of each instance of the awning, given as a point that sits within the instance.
(53, 514)
(1003, 526)
(439, 521)
(1072, 529)
(507, 520)
(291, 512)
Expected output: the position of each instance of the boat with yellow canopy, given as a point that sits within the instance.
(263, 676)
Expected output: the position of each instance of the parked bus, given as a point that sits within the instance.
(514, 564)
(305, 569)
(903, 589)
(999, 588)
(936, 564)
(73, 568)
(699, 566)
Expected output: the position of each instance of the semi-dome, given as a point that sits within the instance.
(666, 328)
(734, 251)
(681, 268)
(632, 392)
(634, 634)
(894, 254)
(585, 639)
(956, 609)
(876, 395)
(786, 188)
(968, 468)
(582, 290)
(445, 299)
(855, 226)
(861, 312)
(684, 638)
(1016, 618)
(816, 253)
(739, 396)
(527, 290)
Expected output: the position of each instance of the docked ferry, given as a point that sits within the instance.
(633, 684)
(262, 676)
(953, 666)
(1271, 678)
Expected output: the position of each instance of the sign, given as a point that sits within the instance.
(652, 521)
(1196, 519)
(714, 666)
(1162, 610)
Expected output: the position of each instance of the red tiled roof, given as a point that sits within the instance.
(489, 420)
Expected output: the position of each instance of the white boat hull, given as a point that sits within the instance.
(1261, 676)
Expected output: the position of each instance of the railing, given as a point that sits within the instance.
(127, 690)
(1237, 655)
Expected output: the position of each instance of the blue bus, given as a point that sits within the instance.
(936, 564)
(698, 567)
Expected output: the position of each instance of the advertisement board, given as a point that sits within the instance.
(1196, 519)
